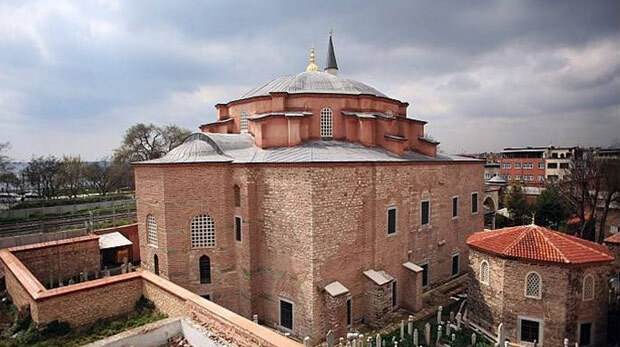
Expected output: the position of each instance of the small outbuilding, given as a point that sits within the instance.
(115, 249)
(543, 285)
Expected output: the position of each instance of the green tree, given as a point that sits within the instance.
(519, 209)
(551, 211)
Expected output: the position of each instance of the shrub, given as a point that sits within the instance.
(56, 328)
(143, 305)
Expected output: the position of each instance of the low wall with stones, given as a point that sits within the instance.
(62, 259)
(86, 302)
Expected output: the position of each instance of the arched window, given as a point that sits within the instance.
(588, 288)
(533, 285)
(237, 193)
(203, 231)
(205, 269)
(151, 230)
(243, 122)
(484, 272)
(156, 264)
(326, 122)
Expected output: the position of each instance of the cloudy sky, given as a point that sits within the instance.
(484, 74)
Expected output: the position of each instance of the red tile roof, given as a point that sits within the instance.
(615, 238)
(533, 242)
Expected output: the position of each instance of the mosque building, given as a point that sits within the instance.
(313, 202)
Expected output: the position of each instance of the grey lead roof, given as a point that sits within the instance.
(240, 148)
(313, 82)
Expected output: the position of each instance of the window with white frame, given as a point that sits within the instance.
(484, 272)
(517, 165)
(243, 122)
(326, 122)
(203, 231)
(151, 230)
(474, 203)
(588, 288)
(533, 285)
(541, 165)
(613, 229)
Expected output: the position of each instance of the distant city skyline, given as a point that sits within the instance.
(75, 75)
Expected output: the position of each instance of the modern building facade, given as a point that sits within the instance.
(543, 285)
(314, 202)
(533, 166)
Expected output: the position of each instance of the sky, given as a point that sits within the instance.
(74, 75)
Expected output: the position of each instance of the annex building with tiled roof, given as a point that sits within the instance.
(313, 201)
(544, 286)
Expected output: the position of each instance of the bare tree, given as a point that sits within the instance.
(71, 175)
(5, 162)
(148, 141)
(583, 190)
(101, 176)
(610, 176)
(43, 174)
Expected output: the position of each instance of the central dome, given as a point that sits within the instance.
(313, 82)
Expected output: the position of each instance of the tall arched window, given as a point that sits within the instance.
(151, 230)
(156, 264)
(243, 122)
(484, 272)
(588, 288)
(533, 285)
(326, 122)
(203, 231)
(205, 269)
(237, 193)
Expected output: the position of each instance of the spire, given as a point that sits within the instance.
(332, 66)
(312, 67)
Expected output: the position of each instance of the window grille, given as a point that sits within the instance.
(243, 122)
(151, 230)
(326, 122)
(533, 285)
(484, 272)
(588, 288)
(203, 231)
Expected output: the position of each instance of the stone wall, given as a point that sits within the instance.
(60, 260)
(486, 300)
(305, 226)
(561, 308)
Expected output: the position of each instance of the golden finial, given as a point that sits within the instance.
(312, 67)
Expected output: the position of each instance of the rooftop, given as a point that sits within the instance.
(313, 82)
(240, 148)
(615, 239)
(536, 243)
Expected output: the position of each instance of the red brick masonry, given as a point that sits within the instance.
(86, 302)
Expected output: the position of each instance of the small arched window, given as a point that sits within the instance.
(484, 272)
(237, 193)
(203, 231)
(156, 264)
(151, 230)
(533, 285)
(588, 288)
(326, 122)
(205, 269)
(243, 122)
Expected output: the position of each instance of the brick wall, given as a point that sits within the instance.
(561, 307)
(103, 298)
(304, 227)
(60, 259)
